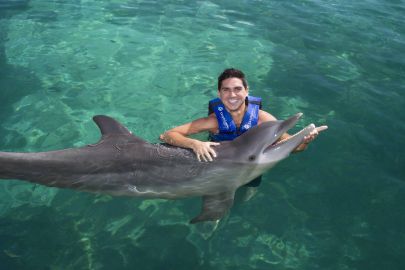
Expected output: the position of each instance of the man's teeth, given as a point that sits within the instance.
(233, 101)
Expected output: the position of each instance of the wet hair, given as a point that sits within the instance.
(231, 73)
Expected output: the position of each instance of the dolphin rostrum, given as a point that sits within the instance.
(122, 164)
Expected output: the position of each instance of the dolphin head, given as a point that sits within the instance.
(259, 145)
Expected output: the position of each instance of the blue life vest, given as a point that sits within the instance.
(227, 127)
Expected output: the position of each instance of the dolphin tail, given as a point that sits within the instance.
(215, 206)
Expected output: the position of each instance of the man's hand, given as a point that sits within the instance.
(314, 134)
(309, 138)
(204, 151)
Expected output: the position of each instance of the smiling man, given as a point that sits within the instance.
(231, 114)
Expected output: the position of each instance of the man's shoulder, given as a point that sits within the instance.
(265, 117)
(207, 122)
(212, 119)
(211, 122)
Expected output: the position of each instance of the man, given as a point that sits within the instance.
(241, 113)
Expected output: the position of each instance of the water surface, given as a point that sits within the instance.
(153, 65)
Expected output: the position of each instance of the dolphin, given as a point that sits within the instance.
(121, 164)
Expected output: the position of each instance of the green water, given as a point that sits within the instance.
(153, 65)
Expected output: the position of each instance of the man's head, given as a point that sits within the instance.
(233, 89)
(232, 73)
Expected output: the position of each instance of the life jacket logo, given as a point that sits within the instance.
(222, 116)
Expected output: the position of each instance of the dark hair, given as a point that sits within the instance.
(231, 73)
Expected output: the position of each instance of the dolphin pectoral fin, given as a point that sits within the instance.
(215, 206)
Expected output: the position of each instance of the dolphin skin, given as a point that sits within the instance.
(122, 164)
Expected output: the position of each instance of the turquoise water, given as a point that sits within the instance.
(153, 65)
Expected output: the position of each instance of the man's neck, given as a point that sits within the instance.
(238, 114)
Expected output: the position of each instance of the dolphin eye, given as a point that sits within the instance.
(252, 158)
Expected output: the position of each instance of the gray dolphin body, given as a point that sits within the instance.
(122, 164)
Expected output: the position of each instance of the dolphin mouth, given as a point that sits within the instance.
(294, 140)
(286, 125)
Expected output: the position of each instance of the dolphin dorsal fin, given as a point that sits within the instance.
(110, 126)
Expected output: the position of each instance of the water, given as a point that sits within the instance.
(153, 65)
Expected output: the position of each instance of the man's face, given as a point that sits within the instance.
(233, 94)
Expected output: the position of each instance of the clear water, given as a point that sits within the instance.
(153, 65)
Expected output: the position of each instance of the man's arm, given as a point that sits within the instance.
(178, 136)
